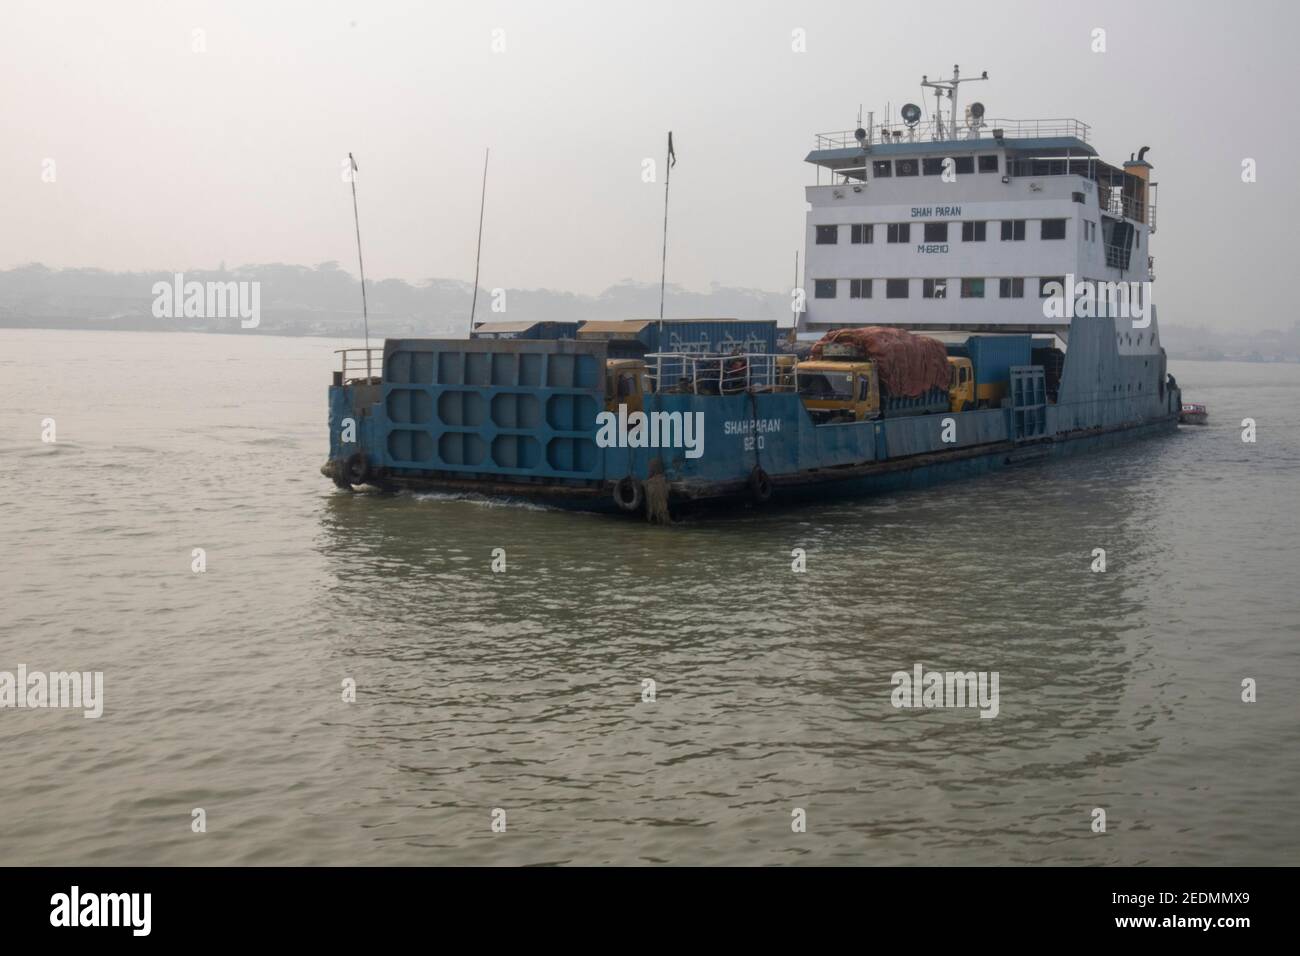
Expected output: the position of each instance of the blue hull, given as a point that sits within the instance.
(519, 419)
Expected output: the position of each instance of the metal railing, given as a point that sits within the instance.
(361, 365)
(689, 373)
(1128, 207)
(1111, 196)
(927, 132)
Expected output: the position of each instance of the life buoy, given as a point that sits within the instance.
(628, 494)
(356, 469)
(760, 486)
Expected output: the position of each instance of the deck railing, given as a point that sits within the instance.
(927, 132)
(682, 372)
(361, 364)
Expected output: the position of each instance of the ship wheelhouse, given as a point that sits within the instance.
(933, 227)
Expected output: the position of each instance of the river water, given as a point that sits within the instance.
(523, 691)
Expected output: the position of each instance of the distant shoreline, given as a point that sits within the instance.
(379, 334)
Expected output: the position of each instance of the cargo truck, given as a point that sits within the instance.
(856, 375)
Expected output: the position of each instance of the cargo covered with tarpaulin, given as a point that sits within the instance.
(908, 365)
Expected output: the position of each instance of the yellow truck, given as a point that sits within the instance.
(838, 391)
(625, 384)
(849, 391)
(961, 386)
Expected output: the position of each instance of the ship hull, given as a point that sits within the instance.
(518, 420)
(845, 482)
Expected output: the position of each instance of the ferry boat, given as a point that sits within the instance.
(1003, 254)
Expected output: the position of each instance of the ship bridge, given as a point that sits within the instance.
(968, 225)
(845, 151)
(1037, 147)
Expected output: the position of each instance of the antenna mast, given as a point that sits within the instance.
(941, 87)
(365, 312)
(478, 252)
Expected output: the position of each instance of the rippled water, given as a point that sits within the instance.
(523, 690)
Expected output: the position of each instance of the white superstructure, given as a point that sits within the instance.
(941, 224)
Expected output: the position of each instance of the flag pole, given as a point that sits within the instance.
(365, 312)
(663, 270)
(478, 253)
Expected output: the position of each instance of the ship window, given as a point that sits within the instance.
(1045, 286)
(1053, 229)
(972, 288)
(936, 232)
(932, 167)
(973, 231)
(1013, 229)
(988, 164)
(882, 168)
(860, 233)
(1011, 288)
(905, 167)
(964, 165)
(1077, 197)
(935, 289)
(899, 232)
(824, 288)
(864, 387)
(859, 288)
(896, 288)
(828, 235)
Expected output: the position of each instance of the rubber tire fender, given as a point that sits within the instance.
(629, 495)
(355, 469)
(760, 486)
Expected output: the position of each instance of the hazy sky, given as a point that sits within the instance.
(167, 158)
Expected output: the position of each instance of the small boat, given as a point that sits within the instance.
(1193, 413)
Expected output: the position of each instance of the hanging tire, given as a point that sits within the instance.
(760, 486)
(356, 469)
(628, 494)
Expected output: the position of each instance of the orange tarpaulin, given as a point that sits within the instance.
(908, 365)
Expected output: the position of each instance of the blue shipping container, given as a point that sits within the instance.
(993, 355)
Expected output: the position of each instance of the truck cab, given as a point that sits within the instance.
(838, 391)
(961, 386)
(625, 384)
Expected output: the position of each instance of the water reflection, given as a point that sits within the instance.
(769, 683)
